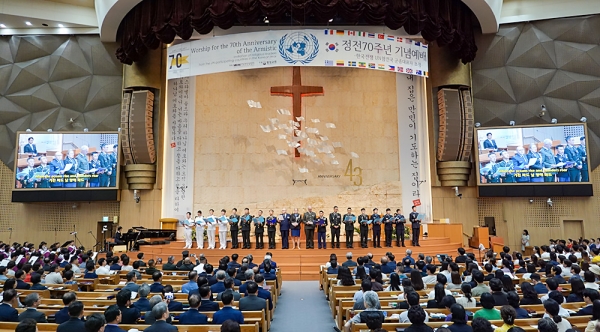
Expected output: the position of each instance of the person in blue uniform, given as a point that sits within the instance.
(57, 171)
(105, 164)
(376, 220)
(388, 227)
(548, 162)
(489, 143)
(322, 230)
(83, 167)
(259, 230)
(562, 159)
(521, 163)
(44, 168)
(335, 223)
(573, 153)
(94, 165)
(234, 228)
(113, 156)
(349, 228)
(585, 175)
(491, 169)
(71, 174)
(364, 228)
(284, 229)
(271, 229)
(400, 221)
(27, 175)
(416, 226)
(536, 169)
(509, 175)
(296, 222)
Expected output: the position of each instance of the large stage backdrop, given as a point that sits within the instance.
(293, 132)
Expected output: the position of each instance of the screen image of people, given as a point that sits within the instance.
(78, 160)
(533, 155)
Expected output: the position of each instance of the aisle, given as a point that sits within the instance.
(302, 307)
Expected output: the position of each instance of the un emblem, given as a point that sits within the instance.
(298, 47)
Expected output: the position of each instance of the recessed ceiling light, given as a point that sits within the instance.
(61, 25)
(2, 26)
(28, 23)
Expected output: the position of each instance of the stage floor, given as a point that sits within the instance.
(302, 264)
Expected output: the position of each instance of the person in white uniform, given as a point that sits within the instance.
(211, 227)
(222, 230)
(200, 230)
(188, 223)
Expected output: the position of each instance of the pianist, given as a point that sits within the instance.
(119, 236)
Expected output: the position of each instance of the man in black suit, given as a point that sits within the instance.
(192, 316)
(8, 313)
(63, 314)
(32, 301)
(335, 222)
(161, 313)
(589, 296)
(262, 293)
(30, 147)
(74, 323)
(416, 226)
(129, 315)
(489, 143)
(252, 302)
(349, 228)
(206, 304)
(95, 323)
(113, 318)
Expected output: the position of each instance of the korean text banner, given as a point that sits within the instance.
(320, 48)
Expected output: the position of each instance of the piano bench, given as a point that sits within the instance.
(118, 247)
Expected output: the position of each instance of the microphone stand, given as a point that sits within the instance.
(10, 236)
(95, 239)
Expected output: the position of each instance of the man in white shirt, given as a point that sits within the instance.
(211, 228)
(431, 277)
(54, 277)
(442, 280)
(413, 300)
(104, 269)
(188, 223)
(199, 221)
(223, 230)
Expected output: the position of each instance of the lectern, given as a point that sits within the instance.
(480, 235)
(168, 223)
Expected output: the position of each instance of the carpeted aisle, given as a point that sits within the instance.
(302, 307)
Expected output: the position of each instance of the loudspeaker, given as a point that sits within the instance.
(490, 223)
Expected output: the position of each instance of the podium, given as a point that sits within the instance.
(451, 231)
(480, 235)
(168, 223)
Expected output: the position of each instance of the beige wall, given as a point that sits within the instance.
(236, 164)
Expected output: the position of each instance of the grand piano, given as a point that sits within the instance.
(140, 235)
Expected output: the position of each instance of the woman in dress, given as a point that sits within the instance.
(524, 240)
(295, 229)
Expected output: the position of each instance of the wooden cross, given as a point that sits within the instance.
(297, 91)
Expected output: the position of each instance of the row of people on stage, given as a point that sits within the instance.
(72, 171)
(568, 163)
(392, 224)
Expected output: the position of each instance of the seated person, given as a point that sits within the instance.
(75, 323)
(441, 280)
(439, 294)
(113, 318)
(129, 315)
(95, 323)
(413, 300)
(229, 287)
(151, 267)
(20, 276)
(36, 280)
(538, 286)
(459, 319)
(497, 293)
(333, 268)
(103, 269)
(372, 314)
(156, 287)
(143, 304)
(227, 312)
(160, 312)
(171, 302)
(589, 296)
(8, 313)
(529, 295)
(115, 266)
(513, 301)
(89, 271)
(63, 314)
(192, 316)
(206, 304)
(480, 288)
(488, 312)
(32, 302)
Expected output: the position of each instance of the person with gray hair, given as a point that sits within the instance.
(249, 277)
(149, 318)
(160, 312)
(143, 304)
(370, 314)
(220, 285)
(349, 262)
(32, 301)
(409, 257)
(170, 264)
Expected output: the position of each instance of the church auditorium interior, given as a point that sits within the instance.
(375, 165)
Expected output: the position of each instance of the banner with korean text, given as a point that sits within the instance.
(414, 146)
(275, 48)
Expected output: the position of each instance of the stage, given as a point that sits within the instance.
(302, 264)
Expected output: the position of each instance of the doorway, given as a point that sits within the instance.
(573, 229)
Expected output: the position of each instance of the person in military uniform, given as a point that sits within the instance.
(490, 170)
(245, 226)
(364, 228)
(416, 226)
(536, 170)
(284, 229)
(94, 180)
(561, 159)
(388, 227)
(259, 230)
(104, 175)
(376, 220)
(400, 221)
(335, 222)
(349, 228)
(585, 175)
(71, 174)
(113, 166)
(521, 163)
(234, 227)
(271, 229)
(83, 167)
(509, 175)
(43, 182)
(309, 227)
(322, 230)
(57, 170)
(27, 175)
(573, 153)
(295, 222)
(548, 162)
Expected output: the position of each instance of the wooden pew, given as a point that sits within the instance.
(51, 327)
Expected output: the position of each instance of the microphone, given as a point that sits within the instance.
(73, 233)
(10, 228)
